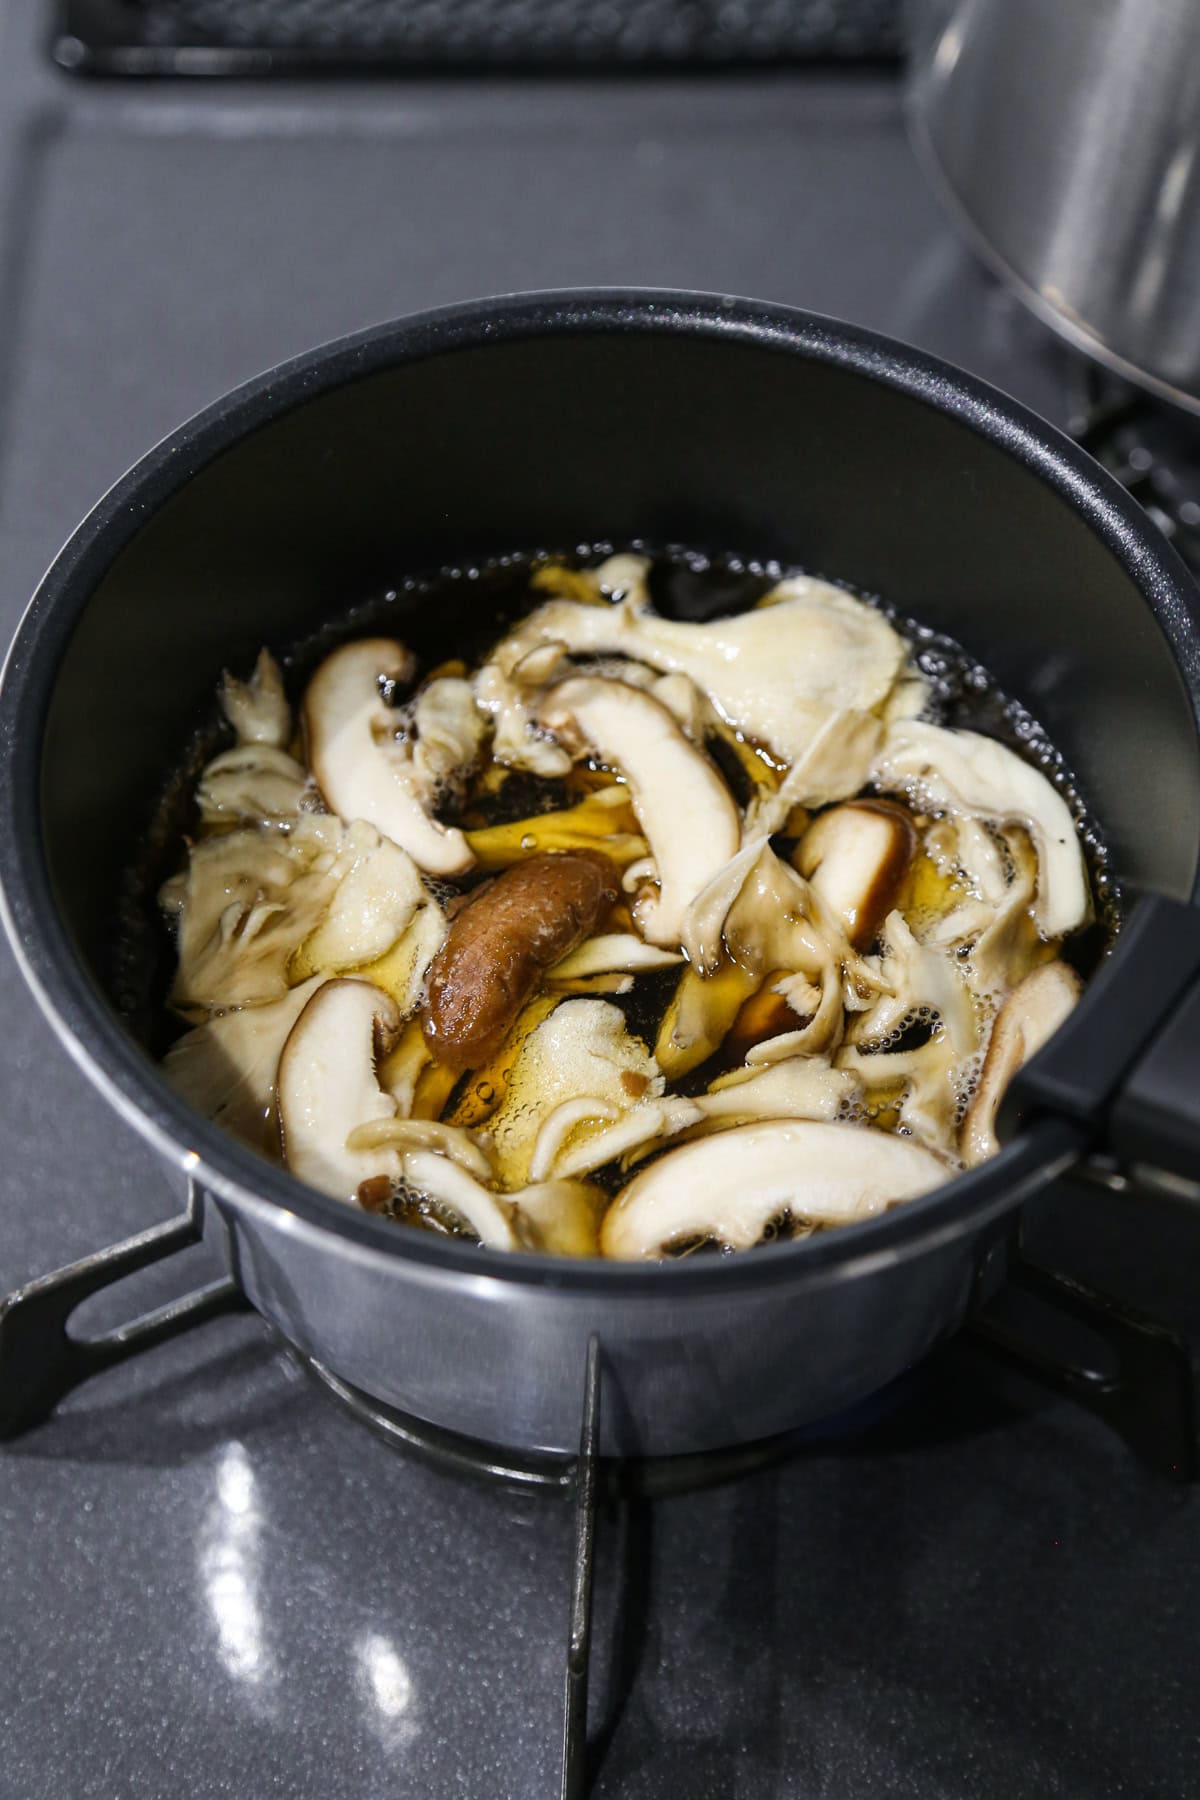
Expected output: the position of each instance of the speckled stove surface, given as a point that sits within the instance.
(212, 1582)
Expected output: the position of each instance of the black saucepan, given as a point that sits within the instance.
(569, 418)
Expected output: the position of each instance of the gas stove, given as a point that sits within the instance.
(215, 1580)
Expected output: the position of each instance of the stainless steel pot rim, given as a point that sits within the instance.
(90, 1030)
(1064, 323)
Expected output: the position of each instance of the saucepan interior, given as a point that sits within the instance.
(561, 420)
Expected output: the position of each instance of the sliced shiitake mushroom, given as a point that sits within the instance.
(1029, 1017)
(683, 807)
(729, 1187)
(856, 856)
(328, 1084)
(363, 769)
(226, 1067)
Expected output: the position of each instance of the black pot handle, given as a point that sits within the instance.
(40, 1362)
(1126, 1065)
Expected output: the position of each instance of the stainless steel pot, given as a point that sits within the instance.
(1065, 137)
(559, 419)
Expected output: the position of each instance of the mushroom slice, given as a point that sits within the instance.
(363, 768)
(642, 1128)
(701, 1012)
(602, 821)
(561, 1218)
(684, 808)
(258, 709)
(856, 856)
(245, 901)
(835, 763)
(226, 1067)
(374, 904)
(581, 1050)
(328, 1084)
(967, 773)
(490, 1217)
(449, 732)
(927, 989)
(251, 781)
(1029, 1017)
(798, 1088)
(407, 1135)
(614, 952)
(774, 673)
(729, 1187)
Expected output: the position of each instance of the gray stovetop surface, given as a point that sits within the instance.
(211, 1582)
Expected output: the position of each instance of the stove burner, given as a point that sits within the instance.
(1152, 449)
(1136, 1376)
(647, 1478)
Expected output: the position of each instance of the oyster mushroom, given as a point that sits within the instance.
(835, 763)
(449, 731)
(683, 807)
(373, 905)
(365, 771)
(995, 940)
(755, 918)
(729, 1187)
(801, 1087)
(613, 952)
(489, 1217)
(1029, 1017)
(856, 856)
(328, 1084)
(582, 1052)
(644, 1126)
(258, 709)
(925, 988)
(775, 673)
(260, 909)
(251, 781)
(967, 773)
(242, 905)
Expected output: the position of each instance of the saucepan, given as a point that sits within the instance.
(572, 418)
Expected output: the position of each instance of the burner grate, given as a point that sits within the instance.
(1152, 449)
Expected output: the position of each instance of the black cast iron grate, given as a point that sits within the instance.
(1152, 449)
(238, 37)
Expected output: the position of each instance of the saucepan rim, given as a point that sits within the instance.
(90, 1029)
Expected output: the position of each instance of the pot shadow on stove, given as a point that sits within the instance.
(167, 1419)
